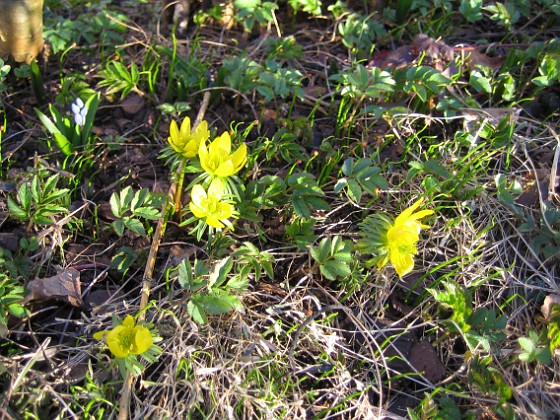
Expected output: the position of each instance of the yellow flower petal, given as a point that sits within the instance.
(186, 127)
(216, 188)
(225, 169)
(402, 238)
(100, 335)
(143, 339)
(118, 340)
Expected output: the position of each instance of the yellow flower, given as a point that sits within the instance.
(185, 142)
(218, 161)
(126, 338)
(402, 237)
(209, 206)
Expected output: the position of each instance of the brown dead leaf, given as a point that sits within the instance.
(424, 359)
(435, 49)
(132, 104)
(478, 58)
(549, 301)
(63, 286)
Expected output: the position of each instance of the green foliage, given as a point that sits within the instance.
(103, 28)
(359, 34)
(334, 257)
(364, 83)
(285, 48)
(132, 209)
(117, 78)
(283, 144)
(39, 200)
(250, 259)
(553, 327)
(459, 301)
(429, 408)
(240, 73)
(535, 348)
(471, 10)
(306, 195)
(301, 231)
(480, 327)
(277, 81)
(373, 236)
(251, 12)
(70, 136)
(422, 83)
(4, 71)
(549, 67)
(313, 7)
(210, 291)
(360, 175)
(487, 379)
(185, 75)
(11, 293)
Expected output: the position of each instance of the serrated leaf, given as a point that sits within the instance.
(118, 227)
(115, 205)
(135, 225)
(17, 310)
(338, 268)
(24, 196)
(301, 208)
(196, 311)
(354, 190)
(16, 210)
(219, 302)
(220, 272)
(149, 213)
(527, 344)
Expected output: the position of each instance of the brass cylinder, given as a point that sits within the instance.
(21, 29)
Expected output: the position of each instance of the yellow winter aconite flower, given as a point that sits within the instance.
(126, 338)
(185, 142)
(217, 159)
(209, 206)
(402, 237)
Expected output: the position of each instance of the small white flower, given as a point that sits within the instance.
(80, 112)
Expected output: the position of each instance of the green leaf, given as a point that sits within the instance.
(17, 310)
(118, 227)
(149, 213)
(135, 225)
(16, 210)
(333, 269)
(219, 302)
(24, 196)
(301, 208)
(220, 272)
(479, 82)
(196, 311)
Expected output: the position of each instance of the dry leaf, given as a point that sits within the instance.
(549, 301)
(64, 286)
(423, 358)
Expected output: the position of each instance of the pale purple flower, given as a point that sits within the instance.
(80, 112)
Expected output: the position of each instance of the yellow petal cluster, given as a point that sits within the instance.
(187, 142)
(209, 205)
(218, 161)
(126, 338)
(402, 238)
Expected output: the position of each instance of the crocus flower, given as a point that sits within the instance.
(80, 112)
(209, 206)
(401, 239)
(126, 338)
(186, 142)
(217, 159)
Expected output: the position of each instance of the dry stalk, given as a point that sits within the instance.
(173, 196)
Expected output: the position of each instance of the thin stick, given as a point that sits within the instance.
(173, 196)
